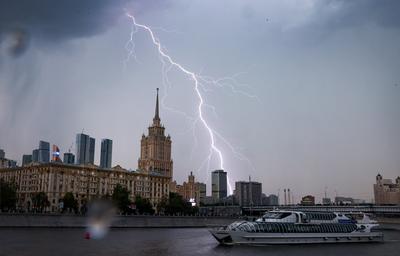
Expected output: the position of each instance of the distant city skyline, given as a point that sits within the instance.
(315, 102)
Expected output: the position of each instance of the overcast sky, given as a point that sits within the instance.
(320, 83)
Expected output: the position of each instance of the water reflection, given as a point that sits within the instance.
(170, 242)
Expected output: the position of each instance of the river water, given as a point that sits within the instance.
(153, 241)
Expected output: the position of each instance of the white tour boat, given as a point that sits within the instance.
(295, 227)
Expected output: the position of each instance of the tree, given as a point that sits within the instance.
(162, 205)
(143, 205)
(176, 204)
(70, 202)
(120, 197)
(40, 201)
(8, 195)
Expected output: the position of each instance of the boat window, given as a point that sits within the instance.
(320, 215)
(276, 215)
(271, 215)
(285, 214)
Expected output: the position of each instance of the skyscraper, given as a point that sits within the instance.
(35, 155)
(26, 159)
(203, 191)
(2, 154)
(248, 193)
(106, 153)
(219, 184)
(85, 148)
(155, 153)
(44, 152)
(92, 144)
(12, 163)
(69, 158)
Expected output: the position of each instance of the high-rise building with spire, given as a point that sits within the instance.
(155, 153)
(87, 181)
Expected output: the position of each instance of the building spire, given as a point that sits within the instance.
(156, 119)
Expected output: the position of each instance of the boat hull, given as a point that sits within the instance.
(241, 237)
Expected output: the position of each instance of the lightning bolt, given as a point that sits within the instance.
(198, 81)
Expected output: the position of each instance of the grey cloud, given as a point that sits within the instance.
(343, 13)
(54, 21)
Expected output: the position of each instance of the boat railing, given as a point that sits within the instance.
(281, 227)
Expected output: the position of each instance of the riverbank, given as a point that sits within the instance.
(388, 220)
(134, 221)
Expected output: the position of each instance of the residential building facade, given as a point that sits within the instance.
(86, 182)
(308, 200)
(192, 190)
(386, 192)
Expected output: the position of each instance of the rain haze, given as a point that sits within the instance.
(308, 96)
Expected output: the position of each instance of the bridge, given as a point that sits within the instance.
(379, 210)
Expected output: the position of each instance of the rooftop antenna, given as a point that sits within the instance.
(70, 148)
(291, 197)
(251, 192)
(284, 191)
(279, 191)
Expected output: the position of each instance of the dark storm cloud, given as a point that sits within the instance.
(343, 13)
(53, 21)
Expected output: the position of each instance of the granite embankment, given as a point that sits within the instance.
(78, 221)
(133, 221)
